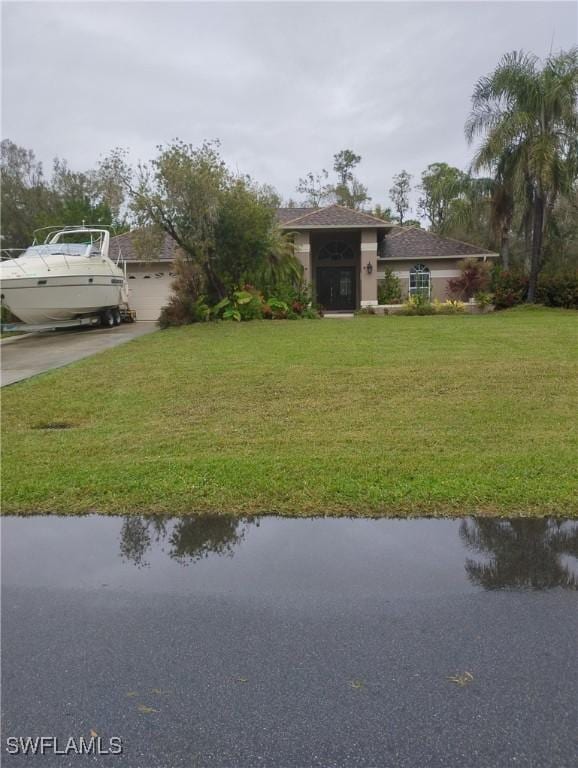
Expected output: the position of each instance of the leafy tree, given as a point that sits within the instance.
(30, 200)
(249, 246)
(74, 198)
(343, 164)
(348, 190)
(25, 195)
(224, 224)
(108, 181)
(353, 195)
(382, 213)
(316, 189)
(180, 191)
(528, 121)
(399, 194)
(441, 185)
(468, 216)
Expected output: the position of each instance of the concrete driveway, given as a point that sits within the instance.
(23, 358)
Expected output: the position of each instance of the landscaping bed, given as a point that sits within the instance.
(379, 416)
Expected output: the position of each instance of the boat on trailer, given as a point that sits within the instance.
(69, 276)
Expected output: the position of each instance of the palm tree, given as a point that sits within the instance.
(528, 119)
(503, 206)
(280, 266)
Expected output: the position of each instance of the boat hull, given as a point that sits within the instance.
(43, 299)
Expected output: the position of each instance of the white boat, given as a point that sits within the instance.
(69, 276)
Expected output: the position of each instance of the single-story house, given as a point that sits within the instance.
(344, 254)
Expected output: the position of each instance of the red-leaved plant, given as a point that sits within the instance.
(474, 277)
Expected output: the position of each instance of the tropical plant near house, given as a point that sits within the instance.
(244, 304)
(483, 299)
(279, 267)
(474, 277)
(528, 121)
(389, 288)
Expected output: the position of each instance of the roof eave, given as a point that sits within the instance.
(486, 255)
(312, 227)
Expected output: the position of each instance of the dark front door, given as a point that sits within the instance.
(336, 287)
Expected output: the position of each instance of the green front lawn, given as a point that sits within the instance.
(394, 415)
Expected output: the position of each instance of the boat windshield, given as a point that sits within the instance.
(58, 249)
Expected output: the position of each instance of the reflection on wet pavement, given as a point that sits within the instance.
(521, 553)
(294, 642)
(343, 556)
(518, 553)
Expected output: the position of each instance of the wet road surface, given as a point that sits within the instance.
(214, 642)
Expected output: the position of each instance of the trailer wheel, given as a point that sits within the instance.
(107, 318)
(116, 316)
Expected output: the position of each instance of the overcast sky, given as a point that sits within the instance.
(283, 85)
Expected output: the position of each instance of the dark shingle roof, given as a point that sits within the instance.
(332, 216)
(288, 214)
(125, 244)
(416, 243)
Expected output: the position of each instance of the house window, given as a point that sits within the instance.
(336, 251)
(420, 281)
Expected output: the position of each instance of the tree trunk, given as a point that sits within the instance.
(505, 247)
(214, 282)
(536, 257)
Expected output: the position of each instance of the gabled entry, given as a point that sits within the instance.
(336, 288)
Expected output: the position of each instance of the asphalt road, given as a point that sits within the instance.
(38, 353)
(304, 643)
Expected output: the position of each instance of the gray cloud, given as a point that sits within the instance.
(283, 85)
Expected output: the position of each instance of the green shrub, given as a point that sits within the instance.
(244, 304)
(279, 309)
(483, 299)
(558, 290)
(249, 304)
(417, 304)
(187, 302)
(389, 289)
(509, 288)
(449, 307)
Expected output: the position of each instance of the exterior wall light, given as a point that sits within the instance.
(369, 268)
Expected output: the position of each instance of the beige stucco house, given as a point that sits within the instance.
(344, 254)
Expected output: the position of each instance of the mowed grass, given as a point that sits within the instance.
(371, 416)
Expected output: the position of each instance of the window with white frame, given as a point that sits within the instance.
(420, 281)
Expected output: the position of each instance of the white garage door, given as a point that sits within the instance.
(149, 289)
